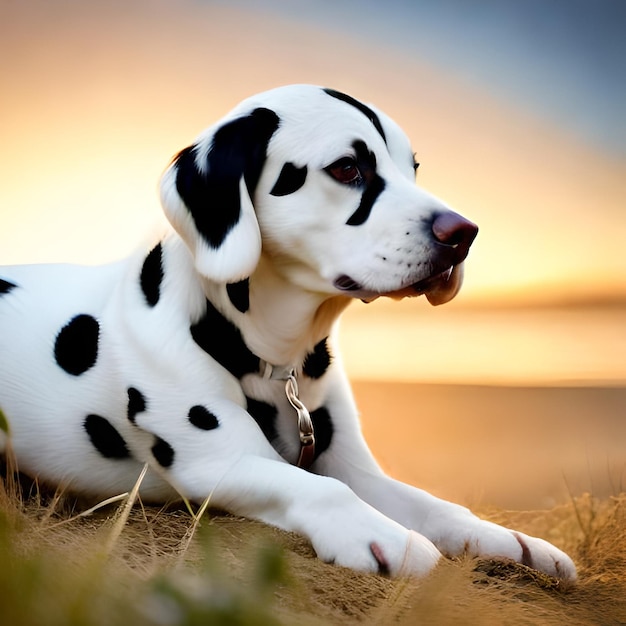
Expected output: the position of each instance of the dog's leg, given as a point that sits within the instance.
(452, 528)
(342, 528)
(224, 456)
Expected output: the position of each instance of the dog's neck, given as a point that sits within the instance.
(283, 322)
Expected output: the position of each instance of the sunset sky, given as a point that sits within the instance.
(516, 116)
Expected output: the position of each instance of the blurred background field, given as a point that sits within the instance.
(512, 394)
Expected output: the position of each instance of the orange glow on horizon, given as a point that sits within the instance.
(452, 344)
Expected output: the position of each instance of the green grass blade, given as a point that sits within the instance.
(4, 423)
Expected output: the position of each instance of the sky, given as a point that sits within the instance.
(561, 59)
(515, 111)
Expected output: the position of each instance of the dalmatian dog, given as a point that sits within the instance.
(210, 357)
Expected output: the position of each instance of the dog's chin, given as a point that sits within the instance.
(438, 289)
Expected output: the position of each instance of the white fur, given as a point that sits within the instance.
(292, 248)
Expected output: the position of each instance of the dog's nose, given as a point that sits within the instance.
(450, 229)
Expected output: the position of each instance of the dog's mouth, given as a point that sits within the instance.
(438, 288)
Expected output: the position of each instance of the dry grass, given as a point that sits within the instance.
(148, 565)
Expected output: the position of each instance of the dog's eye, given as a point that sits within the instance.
(345, 171)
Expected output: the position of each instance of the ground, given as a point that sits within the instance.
(148, 565)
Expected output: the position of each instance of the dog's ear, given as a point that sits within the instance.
(207, 194)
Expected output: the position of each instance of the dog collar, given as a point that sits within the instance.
(305, 423)
(274, 372)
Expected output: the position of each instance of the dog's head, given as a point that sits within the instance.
(323, 185)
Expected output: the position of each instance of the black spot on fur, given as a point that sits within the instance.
(318, 361)
(264, 415)
(105, 438)
(239, 294)
(136, 403)
(76, 345)
(163, 452)
(290, 179)
(202, 418)
(152, 275)
(323, 428)
(371, 193)
(6, 286)
(212, 197)
(374, 184)
(223, 341)
(361, 107)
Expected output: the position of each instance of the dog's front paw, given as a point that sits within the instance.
(486, 539)
(393, 552)
(497, 541)
(543, 556)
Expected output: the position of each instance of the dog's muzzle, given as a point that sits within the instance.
(453, 236)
